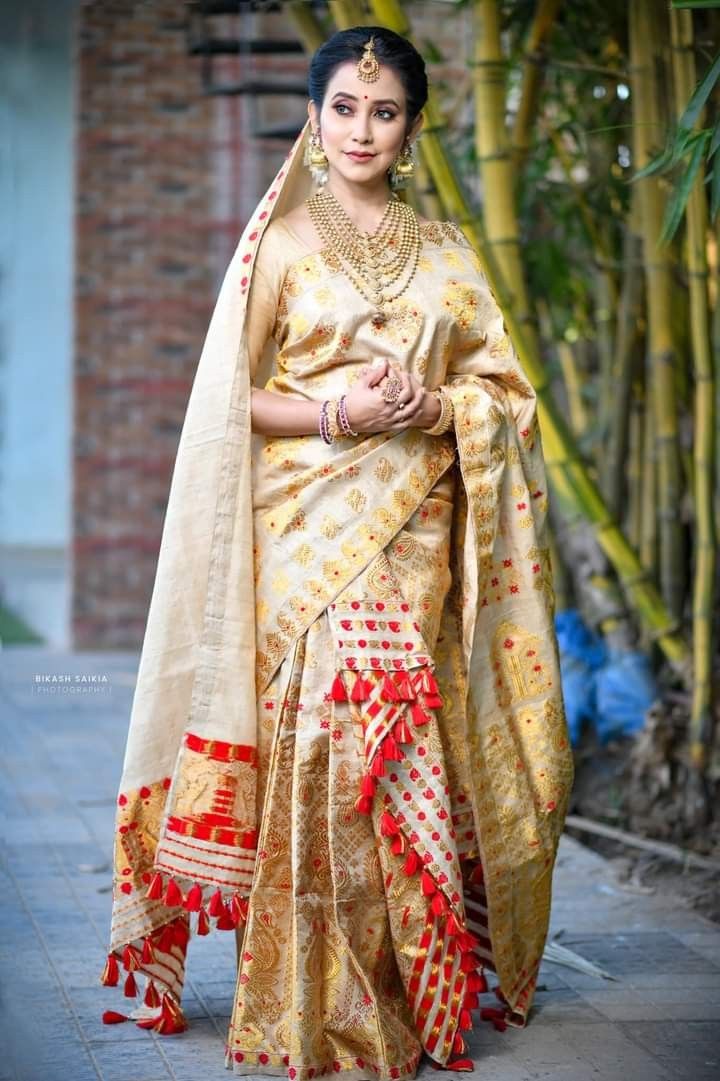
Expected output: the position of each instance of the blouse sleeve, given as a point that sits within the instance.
(267, 279)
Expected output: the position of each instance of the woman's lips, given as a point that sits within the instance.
(360, 157)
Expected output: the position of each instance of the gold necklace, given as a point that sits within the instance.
(374, 261)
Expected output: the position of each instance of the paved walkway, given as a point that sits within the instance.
(62, 747)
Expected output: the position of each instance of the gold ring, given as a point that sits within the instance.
(392, 388)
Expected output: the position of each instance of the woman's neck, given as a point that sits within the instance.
(364, 205)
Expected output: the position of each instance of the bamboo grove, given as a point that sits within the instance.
(536, 156)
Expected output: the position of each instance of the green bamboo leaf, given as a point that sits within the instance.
(695, 3)
(715, 141)
(715, 192)
(676, 205)
(702, 93)
(656, 164)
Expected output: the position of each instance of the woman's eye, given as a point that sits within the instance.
(388, 113)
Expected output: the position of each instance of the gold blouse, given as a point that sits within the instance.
(322, 327)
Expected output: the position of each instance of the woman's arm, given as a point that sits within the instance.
(279, 415)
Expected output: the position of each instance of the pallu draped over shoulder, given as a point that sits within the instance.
(349, 691)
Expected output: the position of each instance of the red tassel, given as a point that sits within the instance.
(377, 766)
(476, 981)
(173, 894)
(491, 1013)
(215, 904)
(152, 998)
(428, 683)
(411, 863)
(225, 921)
(181, 932)
(155, 889)
(110, 1017)
(338, 692)
(398, 845)
(388, 825)
(171, 1019)
(363, 805)
(167, 939)
(361, 689)
(471, 1001)
(388, 691)
(418, 714)
(427, 884)
(130, 988)
(405, 689)
(129, 959)
(203, 923)
(401, 731)
(452, 926)
(465, 1019)
(464, 1064)
(439, 903)
(368, 784)
(390, 750)
(238, 908)
(458, 1045)
(147, 952)
(111, 972)
(193, 901)
(433, 701)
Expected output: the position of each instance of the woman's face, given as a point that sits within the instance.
(366, 117)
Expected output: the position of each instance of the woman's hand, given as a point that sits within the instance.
(368, 411)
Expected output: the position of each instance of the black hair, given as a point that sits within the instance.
(390, 48)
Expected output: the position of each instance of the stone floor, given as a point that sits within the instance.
(62, 747)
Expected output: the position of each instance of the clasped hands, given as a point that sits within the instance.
(368, 411)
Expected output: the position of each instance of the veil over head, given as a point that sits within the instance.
(192, 734)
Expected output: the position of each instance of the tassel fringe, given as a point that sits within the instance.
(413, 695)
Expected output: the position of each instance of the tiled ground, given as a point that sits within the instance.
(60, 765)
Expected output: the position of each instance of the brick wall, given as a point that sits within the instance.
(165, 181)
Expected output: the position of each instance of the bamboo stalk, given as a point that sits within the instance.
(533, 74)
(347, 13)
(681, 27)
(571, 481)
(661, 848)
(635, 470)
(306, 25)
(647, 133)
(492, 147)
(613, 470)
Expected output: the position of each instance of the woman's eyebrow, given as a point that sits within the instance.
(377, 101)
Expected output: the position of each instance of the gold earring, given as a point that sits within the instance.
(316, 159)
(403, 168)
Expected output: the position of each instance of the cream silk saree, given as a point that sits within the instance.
(348, 741)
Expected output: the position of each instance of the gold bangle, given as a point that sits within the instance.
(332, 416)
(446, 417)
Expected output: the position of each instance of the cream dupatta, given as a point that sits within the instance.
(187, 824)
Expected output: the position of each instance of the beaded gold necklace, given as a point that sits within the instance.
(374, 262)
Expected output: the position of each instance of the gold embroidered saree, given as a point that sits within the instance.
(377, 811)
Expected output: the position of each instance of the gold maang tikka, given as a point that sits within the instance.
(368, 68)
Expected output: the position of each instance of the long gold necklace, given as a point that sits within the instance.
(374, 261)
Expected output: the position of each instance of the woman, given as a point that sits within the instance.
(357, 757)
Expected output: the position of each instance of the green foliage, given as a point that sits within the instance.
(697, 146)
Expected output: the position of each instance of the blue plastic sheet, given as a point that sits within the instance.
(607, 689)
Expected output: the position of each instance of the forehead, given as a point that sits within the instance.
(345, 78)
